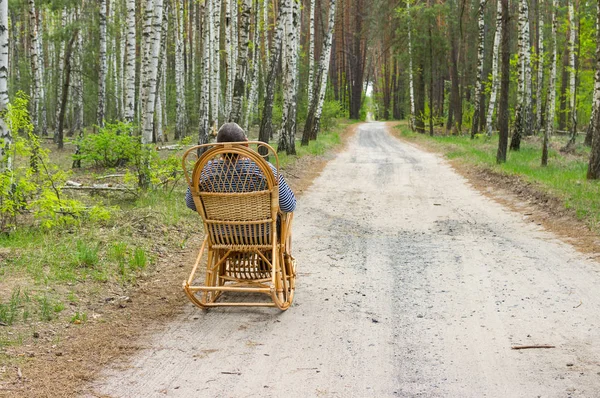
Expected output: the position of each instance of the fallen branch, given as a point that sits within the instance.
(169, 148)
(578, 305)
(110, 176)
(100, 188)
(526, 347)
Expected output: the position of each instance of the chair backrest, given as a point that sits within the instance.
(236, 193)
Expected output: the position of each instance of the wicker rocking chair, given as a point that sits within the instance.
(247, 239)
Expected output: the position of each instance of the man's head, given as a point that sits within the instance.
(231, 132)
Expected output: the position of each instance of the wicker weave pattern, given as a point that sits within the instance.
(236, 193)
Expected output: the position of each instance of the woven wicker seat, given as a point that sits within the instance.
(247, 249)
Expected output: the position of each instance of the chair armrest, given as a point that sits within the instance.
(286, 225)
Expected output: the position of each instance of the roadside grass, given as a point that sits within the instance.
(563, 178)
(55, 276)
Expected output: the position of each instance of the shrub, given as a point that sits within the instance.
(112, 146)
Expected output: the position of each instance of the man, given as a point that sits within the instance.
(231, 132)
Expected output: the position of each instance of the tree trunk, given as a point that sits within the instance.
(242, 63)
(266, 122)
(101, 112)
(313, 119)
(215, 30)
(455, 109)
(65, 90)
(574, 74)
(493, 93)
(504, 86)
(180, 113)
(311, 51)
(229, 60)
(59, 80)
(523, 107)
(151, 76)
(287, 133)
(411, 89)
(593, 172)
(551, 107)
(5, 133)
(254, 72)
(130, 63)
(540, 71)
(204, 115)
(480, 55)
(37, 97)
(563, 113)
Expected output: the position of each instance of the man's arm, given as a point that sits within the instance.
(189, 200)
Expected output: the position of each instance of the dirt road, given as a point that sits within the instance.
(411, 283)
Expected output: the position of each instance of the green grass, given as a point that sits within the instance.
(564, 177)
(45, 271)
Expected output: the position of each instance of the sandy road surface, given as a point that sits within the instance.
(410, 284)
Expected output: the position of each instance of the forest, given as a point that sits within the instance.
(99, 100)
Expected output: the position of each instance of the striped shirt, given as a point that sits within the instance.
(243, 167)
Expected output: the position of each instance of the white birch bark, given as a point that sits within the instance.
(78, 82)
(179, 72)
(596, 99)
(146, 45)
(5, 133)
(480, 55)
(37, 96)
(410, 70)
(241, 73)
(230, 71)
(540, 71)
(130, 63)
(60, 71)
(572, 74)
(551, 98)
(495, 79)
(100, 115)
(115, 60)
(265, 10)
(215, 29)
(311, 51)
(287, 133)
(162, 60)
(527, 70)
(204, 111)
(324, 62)
(254, 69)
(151, 76)
(121, 62)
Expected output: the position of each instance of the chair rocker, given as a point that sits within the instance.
(236, 193)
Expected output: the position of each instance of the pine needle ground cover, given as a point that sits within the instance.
(564, 178)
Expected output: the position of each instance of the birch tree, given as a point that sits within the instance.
(592, 124)
(130, 63)
(266, 121)
(253, 75)
(551, 105)
(204, 111)
(572, 77)
(151, 76)
(37, 97)
(313, 119)
(242, 63)
(60, 71)
(146, 45)
(311, 51)
(215, 29)
(179, 72)
(411, 88)
(229, 69)
(504, 87)
(495, 80)
(287, 132)
(540, 71)
(480, 55)
(5, 133)
(523, 107)
(100, 115)
(593, 172)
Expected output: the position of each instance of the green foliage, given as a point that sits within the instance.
(86, 256)
(112, 146)
(331, 110)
